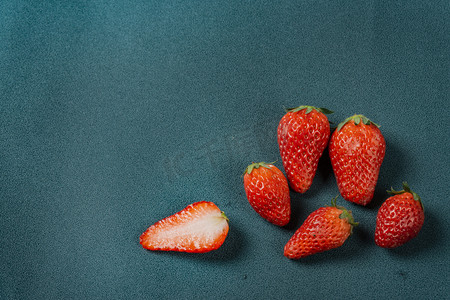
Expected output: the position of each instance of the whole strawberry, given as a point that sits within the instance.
(200, 227)
(357, 150)
(324, 229)
(303, 134)
(267, 192)
(399, 218)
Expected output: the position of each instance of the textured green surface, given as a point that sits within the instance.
(115, 114)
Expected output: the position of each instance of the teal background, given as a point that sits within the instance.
(115, 114)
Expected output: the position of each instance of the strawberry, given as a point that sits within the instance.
(267, 192)
(200, 227)
(399, 218)
(303, 134)
(324, 229)
(357, 150)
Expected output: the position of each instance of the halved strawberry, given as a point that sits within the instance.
(200, 227)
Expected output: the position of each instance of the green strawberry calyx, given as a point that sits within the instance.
(310, 109)
(254, 165)
(346, 214)
(406, 189)
(223, 215)
(357, 119)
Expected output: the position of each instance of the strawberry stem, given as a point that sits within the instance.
(356, 119)
(406, 189)
(223, 215)
(346, 214)
(250, 168)
(333, 201)
(309, 109)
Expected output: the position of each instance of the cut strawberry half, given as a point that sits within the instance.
(200, 227)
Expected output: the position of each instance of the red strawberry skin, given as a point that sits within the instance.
(200, 227)
(357, 152)
(399, 220)
(303, 135)
(324, 229)
(267, 192)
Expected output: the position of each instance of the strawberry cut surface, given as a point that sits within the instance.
(200, 227)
